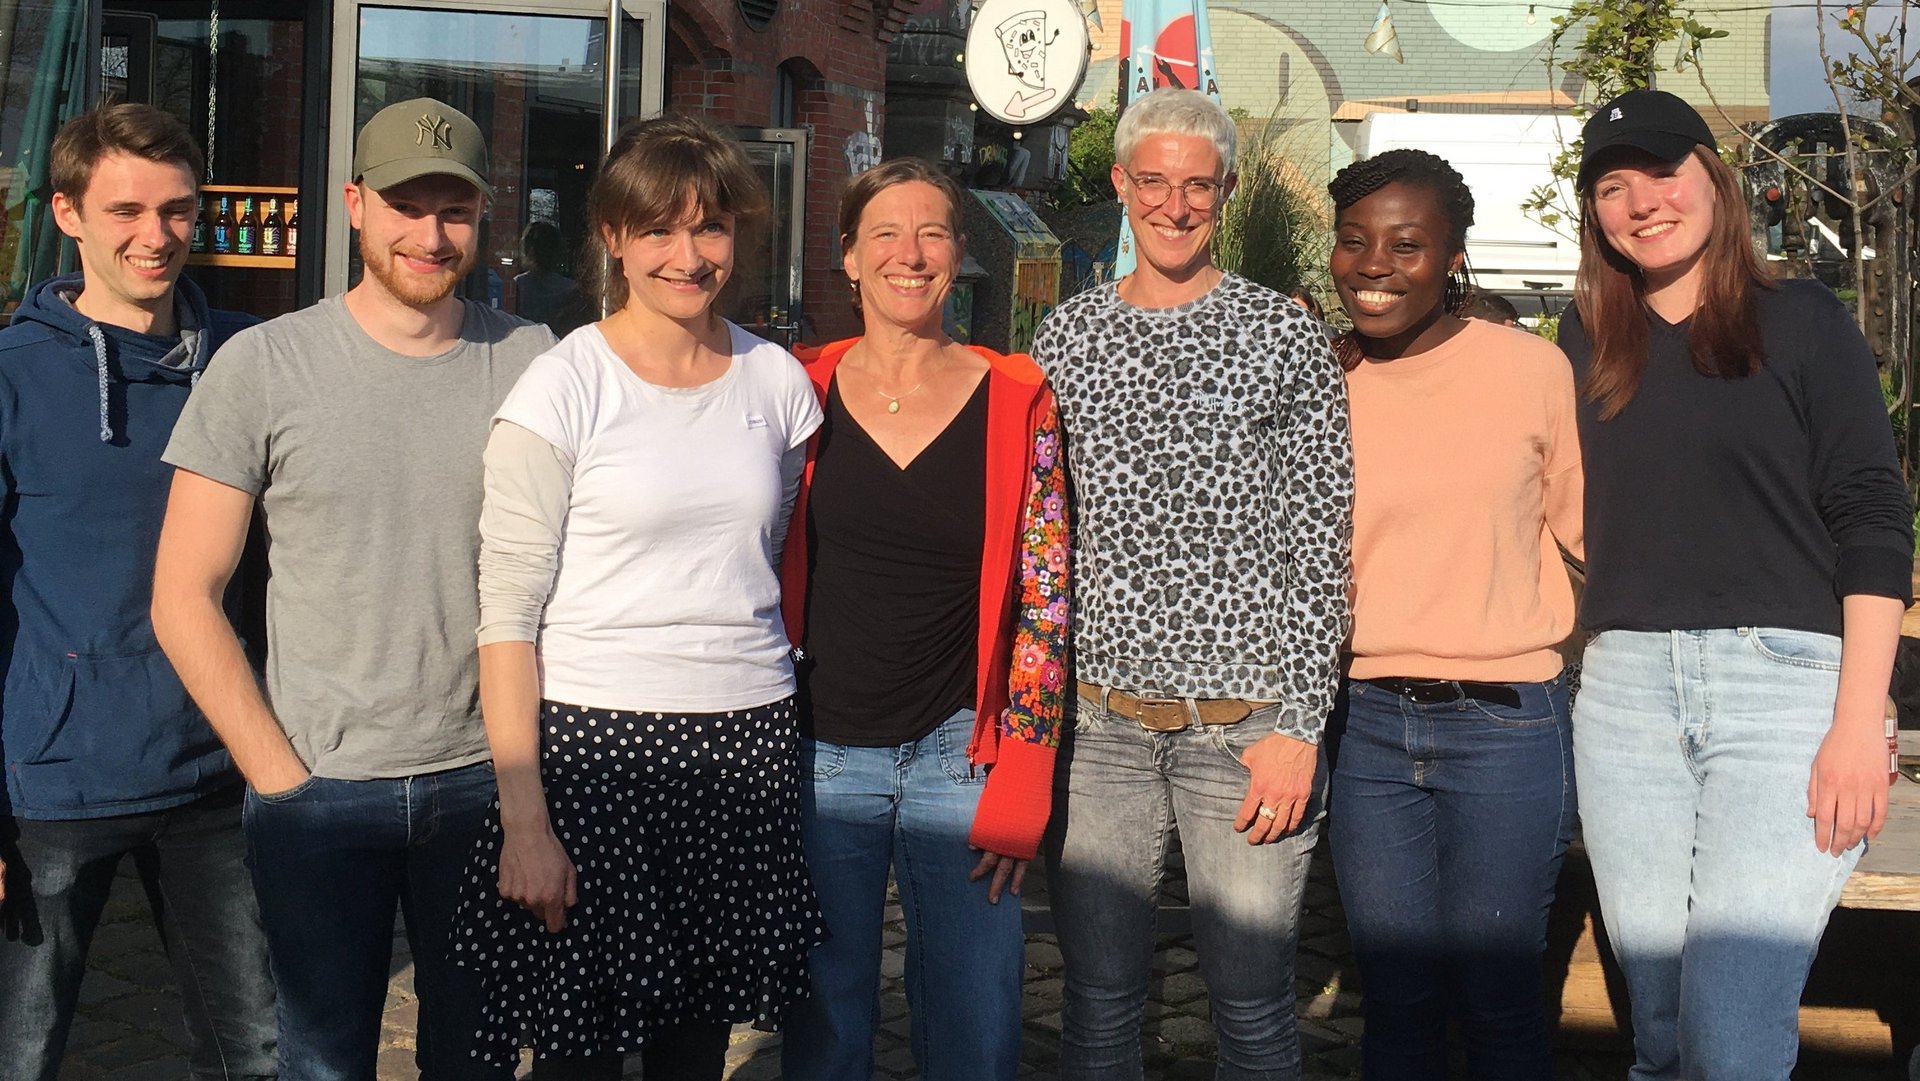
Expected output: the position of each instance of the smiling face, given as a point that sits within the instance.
(1392, 253)
(1658, 214)
(676, 270)
(132, 226)
(417, 239)
(903, 255)
(1173, 237)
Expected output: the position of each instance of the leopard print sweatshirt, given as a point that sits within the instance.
(1210, 463)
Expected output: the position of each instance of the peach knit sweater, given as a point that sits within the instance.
(1467, 476)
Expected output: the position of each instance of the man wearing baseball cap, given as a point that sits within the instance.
(356, 426)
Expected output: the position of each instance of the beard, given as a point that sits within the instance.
(414, 290)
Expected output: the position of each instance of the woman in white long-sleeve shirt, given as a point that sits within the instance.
(646, 889)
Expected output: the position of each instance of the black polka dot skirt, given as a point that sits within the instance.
(694, 902)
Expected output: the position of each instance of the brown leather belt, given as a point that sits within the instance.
(1158, 714)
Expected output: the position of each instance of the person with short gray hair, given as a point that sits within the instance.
(1206, 425)
(356, 426)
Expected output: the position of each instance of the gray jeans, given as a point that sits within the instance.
(1121, 793)
(191, 859)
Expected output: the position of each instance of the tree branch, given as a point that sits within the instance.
(1853, 172)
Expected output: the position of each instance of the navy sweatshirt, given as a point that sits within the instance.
(93, 720)
(1752, 502)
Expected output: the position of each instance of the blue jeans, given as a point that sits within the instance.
(192, 861)
(1448, 823)
(331, 860)
(1693, 750)
(910, 807)
(1121, 793)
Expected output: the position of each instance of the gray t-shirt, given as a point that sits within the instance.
(367, 465)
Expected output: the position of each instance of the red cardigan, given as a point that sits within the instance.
(1022, 634)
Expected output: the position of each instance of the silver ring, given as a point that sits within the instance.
(1268, 813)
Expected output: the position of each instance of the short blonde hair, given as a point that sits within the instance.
(1173, 111)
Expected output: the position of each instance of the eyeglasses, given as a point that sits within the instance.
(1154, 191)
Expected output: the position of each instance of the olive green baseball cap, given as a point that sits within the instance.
(422, 137)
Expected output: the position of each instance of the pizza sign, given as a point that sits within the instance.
(1025, 58)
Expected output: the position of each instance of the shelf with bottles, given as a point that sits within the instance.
(247, 225)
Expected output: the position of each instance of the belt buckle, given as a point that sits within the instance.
(1435, 692)
(1153, 714)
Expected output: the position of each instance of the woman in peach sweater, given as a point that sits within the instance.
(1452, 797)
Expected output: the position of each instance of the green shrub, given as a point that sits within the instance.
(1090, 161)
(1274, 230)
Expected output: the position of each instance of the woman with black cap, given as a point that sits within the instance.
(1749, 544)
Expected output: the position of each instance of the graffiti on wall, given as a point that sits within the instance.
(863, 147)
(1036, 289)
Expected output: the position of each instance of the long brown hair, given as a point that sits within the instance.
(1723, 336)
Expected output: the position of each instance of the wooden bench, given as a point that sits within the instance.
(1862, 1001)
(1889, 874)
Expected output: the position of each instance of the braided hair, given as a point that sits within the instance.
(1449, 188)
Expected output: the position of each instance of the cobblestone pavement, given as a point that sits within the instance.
(129, 1026)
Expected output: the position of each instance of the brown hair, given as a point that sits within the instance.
(1723, 336)
(863, 188)
(655, 170)
(142, 131)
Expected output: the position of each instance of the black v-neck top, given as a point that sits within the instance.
(893, 610)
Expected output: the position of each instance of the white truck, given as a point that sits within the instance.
(1503, 157)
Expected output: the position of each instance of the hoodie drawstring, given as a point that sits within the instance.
(100, 367)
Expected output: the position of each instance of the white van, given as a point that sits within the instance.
(1503, 157)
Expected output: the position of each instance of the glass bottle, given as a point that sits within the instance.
(293, 229)
(201, 229)
(223, 227)
(247, 231)
(272, 230)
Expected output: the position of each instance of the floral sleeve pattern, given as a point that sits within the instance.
(1037, 681)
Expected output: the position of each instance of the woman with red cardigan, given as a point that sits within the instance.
(925, 590)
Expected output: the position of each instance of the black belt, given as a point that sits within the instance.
(1432, 692)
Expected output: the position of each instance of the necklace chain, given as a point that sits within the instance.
(893, 400)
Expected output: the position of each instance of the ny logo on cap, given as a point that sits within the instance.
(1614, 115)
(440, 130)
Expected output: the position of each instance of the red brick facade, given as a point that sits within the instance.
(835, 52)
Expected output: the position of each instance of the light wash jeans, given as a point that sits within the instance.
(1692, 751)
(1122, 790)
(910, 808)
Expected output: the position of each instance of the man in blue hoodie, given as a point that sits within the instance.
(102, 752)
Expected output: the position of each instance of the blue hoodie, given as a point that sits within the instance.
(93, 721)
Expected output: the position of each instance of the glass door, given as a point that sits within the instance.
(764, 296)
(545, 86)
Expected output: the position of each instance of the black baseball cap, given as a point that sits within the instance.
(1650, 120)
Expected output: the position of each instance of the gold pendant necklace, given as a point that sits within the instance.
(893, 401)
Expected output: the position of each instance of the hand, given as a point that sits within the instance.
(1007, 873)
(281, 780)
(536, 874)
(1847, 793)
(1282, 783)
(3, 882)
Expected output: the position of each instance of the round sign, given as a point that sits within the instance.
(1025, 58)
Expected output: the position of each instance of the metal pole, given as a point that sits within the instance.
(611, 104)
(615, 12)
